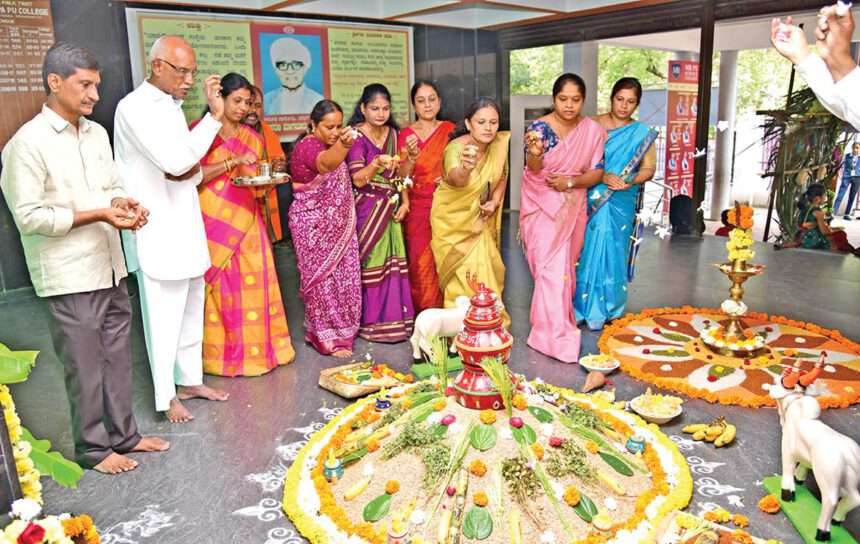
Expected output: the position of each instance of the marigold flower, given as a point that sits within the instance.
(372, 445)
(742, 537)
(373, 417)
(488, 417)
(592, 446)
(769, 504)
(478, 468)
(519, 402)
(440, 405)
(741, 520)
(406, 404)
(409, 378)
(571, 496)
(480, 499)
(538, 450)
(392, 487)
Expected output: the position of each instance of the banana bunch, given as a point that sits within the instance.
(720, 431)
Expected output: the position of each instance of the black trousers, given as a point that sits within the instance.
(90, 332)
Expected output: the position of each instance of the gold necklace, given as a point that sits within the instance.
(562, 136)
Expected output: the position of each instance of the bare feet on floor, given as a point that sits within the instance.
(152, 443)
(177, 413)
(185, 392)
(342, 353)
(116, 464)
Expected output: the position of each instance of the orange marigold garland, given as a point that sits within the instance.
(81, 527)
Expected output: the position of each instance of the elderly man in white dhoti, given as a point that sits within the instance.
(158, 161)
(291, 60)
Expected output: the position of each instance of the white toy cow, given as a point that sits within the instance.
(808, 443)
(443, 322)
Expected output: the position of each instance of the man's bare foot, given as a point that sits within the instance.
(151, 443)
(177, 413)
(342, 353)
(115, 464)
(202, 391)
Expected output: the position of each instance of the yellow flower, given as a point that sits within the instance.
(478, 468)
(488, 417)
(480, 499)
(519, 402)
(571, 496)
(439, 405)
(392, 487)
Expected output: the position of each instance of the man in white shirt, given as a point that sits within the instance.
(63, 192)
(158, 160)
(291, 60)
(832, 73)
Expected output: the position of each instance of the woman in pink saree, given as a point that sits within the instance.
(322, 222)
(564, 157)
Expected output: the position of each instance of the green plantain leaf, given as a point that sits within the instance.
(377, 508)
(439, 429)
(478, 524)
(354, 456)
(15, 366)
(540, 414)
(52, 463)
(525, 435)
(617, 464)
(483, 437)
(422, 413)
(675, 337)
(586, 508)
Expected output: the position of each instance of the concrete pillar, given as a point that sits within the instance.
(581, 59)
(721, 191)
(687, 55)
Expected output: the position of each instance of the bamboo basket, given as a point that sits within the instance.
(329, 382)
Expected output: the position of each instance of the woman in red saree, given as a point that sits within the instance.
(430, 135)
(245, 331)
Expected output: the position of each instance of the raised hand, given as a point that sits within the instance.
(412, 146)
(213, 96)
(534, 143)
(347, 136)
(833, 35)
(469, 157)
(789, 40)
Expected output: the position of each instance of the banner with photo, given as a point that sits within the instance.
(294, 62)
(681, 111)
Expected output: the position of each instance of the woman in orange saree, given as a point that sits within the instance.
(430, 135)
(245, 331)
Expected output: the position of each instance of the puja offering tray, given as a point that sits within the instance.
(261, 181)
(483, 336)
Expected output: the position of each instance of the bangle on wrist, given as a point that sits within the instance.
(536, 157)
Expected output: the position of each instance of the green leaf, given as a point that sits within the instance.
(483, 437)
(377, 508)
(362, 378)
(478, 524)
(422, 413)
(676, 352)
(586, 508)
(524, 435)
(354, 456)
(540, 414)
(617, 464)
(15, 366)
(675, 337)
(52, 463)
(439, 429)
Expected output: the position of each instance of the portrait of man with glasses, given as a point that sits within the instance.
(291, 60)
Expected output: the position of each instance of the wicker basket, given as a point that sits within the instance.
(352, 390)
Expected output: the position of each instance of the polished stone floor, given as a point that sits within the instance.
(221, 482)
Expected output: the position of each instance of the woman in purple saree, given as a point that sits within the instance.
(322, 221)
(387, 311)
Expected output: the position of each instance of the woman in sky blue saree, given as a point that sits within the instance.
(605, 265)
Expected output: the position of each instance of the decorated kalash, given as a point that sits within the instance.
(485, 457)
(734, 356)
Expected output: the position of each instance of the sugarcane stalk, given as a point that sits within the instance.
(459, 507)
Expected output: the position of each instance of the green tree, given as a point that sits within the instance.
(646, 65)
(534, 70)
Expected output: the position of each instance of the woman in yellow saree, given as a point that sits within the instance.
(466, 217)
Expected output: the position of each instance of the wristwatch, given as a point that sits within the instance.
(570, 184)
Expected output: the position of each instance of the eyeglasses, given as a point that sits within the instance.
(181, 72)
(293, 65)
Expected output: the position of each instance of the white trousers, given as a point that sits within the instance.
(172, 313)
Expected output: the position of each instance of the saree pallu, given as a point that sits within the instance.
(322, 222)
(386, 301)
(464, 241)
(601, 290)
(552, 224)
(245, 332)
(423, 280)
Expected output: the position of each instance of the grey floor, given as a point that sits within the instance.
(221, 482)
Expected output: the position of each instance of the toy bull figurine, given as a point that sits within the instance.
(443, 322)
(808, 443)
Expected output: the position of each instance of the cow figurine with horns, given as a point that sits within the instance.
(809, 443)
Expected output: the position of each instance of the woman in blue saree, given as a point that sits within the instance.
(605, 265)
